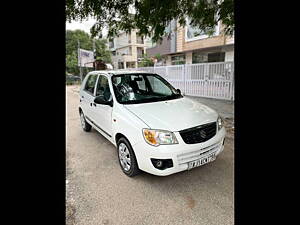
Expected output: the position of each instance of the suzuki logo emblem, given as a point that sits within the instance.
(202, 134)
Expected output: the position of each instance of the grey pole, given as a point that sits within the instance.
(94, 45)
(79, 59)
(94, 50)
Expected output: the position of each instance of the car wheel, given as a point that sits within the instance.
(85, 126)
(127, 158)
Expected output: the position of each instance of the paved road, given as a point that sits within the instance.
(99, 193)
(224, 107)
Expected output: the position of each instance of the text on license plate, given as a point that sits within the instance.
(202, 161)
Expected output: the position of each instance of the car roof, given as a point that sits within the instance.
(116, 72)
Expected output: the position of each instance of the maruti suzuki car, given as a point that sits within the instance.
(153, 126)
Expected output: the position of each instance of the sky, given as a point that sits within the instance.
(84, 25)
(87, 24)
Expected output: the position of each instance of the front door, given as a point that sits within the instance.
(88, 95)
(102, 113)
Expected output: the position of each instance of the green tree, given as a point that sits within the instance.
(158, 57)
(101, 51)
(71, 63)
(151, 16)
(86, 42)
(72, 38)
(146, 61)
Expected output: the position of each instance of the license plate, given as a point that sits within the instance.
(202, 161)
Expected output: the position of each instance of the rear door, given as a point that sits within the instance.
(88, 95)
(102, 113)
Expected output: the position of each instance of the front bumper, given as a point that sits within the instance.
(181, 154)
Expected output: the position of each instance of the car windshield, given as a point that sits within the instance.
(142, 88)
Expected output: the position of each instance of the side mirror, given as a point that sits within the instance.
(178, 91)
(100, 100)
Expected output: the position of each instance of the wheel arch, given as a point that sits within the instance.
(120, 135)
(80, 109)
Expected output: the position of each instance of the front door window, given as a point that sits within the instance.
(102, 88)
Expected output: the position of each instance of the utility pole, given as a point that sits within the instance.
(94, 50)
(79, 60)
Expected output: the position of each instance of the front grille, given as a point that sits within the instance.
(199, 134)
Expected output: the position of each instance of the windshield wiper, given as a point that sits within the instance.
(173, 96)
(153, 99)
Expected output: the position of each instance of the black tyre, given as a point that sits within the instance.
(127, 158)
(85, 126)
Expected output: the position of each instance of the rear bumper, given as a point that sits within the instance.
(181, 154)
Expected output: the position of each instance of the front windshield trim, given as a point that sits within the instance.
(149, 100)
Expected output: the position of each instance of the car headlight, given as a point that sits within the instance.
(220, 123)
(159, 137)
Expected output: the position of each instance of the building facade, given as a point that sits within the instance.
(127, 49)
(188, 45)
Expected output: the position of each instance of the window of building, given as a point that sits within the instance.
(204, 57)
(216, 57)
(199, 57)
(194, 33)
(214, 72)
(178, 60)
(139, 39)
(125, 51)
(140, 52)
(120, 65)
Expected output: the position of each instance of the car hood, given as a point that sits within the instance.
(173, 115)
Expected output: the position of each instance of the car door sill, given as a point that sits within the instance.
(96, 125)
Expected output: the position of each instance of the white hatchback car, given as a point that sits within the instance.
(153, 126)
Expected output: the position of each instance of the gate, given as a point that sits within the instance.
(211, 80)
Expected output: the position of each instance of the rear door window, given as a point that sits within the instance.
(90, 84)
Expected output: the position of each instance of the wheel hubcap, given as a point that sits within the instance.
(124, 156)
(82, 120)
